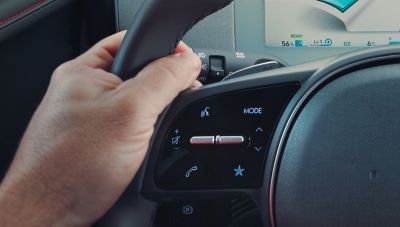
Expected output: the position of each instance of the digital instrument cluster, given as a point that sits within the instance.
(332, 23)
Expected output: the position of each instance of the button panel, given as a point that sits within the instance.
(222, 142)
(217, 64)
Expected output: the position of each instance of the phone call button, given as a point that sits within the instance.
(191, 171)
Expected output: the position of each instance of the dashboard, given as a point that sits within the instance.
(251, 19)
(295, 31)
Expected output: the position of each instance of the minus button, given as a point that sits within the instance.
(202, 140)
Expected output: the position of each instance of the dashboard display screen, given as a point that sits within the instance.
(332, 23)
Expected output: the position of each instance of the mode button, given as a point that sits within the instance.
(253, 111)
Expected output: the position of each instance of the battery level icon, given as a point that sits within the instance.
(298, 43)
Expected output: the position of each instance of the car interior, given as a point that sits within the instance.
(296, 124)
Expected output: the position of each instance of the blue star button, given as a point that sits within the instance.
(238, 171)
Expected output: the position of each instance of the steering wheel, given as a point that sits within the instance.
(309, 145)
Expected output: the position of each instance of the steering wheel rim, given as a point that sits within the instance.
(311, 77)
(155, 19)
(341, 66)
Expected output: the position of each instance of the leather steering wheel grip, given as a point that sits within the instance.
(157, 29)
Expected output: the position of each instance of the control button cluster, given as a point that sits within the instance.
(217, 64)
(221, 143)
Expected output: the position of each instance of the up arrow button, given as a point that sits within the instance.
(259, 129)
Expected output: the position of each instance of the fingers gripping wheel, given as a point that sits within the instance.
(156, 30)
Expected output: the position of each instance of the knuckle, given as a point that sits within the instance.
(195, 62)
(66, 71)
(60, 71)
(67, 82)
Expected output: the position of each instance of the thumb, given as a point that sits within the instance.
(157, 85)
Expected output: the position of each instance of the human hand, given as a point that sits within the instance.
(89, 136)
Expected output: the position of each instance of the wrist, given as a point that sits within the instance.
(26, 203)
